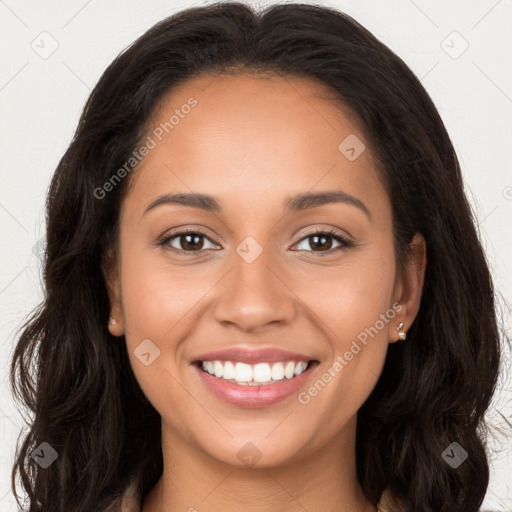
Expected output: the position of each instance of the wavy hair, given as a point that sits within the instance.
(76, 378)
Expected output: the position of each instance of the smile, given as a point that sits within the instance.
(254, 375)
(254, 385)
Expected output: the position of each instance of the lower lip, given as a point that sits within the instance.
(255, 396)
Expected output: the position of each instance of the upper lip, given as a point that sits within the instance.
(244, 355)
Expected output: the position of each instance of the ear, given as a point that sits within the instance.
(409, 286)
(111, 275)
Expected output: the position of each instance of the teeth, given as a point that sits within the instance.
(277, 371)
(217, 368)
(266, 373)
(243, 372)
(262, 372)
(229, 370)
(289, 370)
(300, 368)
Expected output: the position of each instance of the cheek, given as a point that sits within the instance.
(157, 295)
(158, 306)
(160, 302)
(157, 303)
(350, 299)
(354, 308)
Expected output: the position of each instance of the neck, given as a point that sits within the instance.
(195, 482)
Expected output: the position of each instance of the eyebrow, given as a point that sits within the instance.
(296, 203)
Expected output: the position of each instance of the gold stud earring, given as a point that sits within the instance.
(401, 334)
(111, 321)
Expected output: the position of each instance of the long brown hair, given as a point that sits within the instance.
(434, 389)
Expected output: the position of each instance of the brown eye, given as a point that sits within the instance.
(322, 242)
(187, 241)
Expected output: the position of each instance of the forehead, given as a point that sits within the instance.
(251, 138)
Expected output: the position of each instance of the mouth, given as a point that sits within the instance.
(254, 385)
(261, 374)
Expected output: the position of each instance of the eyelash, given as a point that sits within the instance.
(345, 243)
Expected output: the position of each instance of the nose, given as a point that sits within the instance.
(255, 294)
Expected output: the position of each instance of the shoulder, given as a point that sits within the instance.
(388, 503)
(129, 501)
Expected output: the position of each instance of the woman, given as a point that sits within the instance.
(239, 311)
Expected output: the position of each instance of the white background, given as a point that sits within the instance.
(41, 99)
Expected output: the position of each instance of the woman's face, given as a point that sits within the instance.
(253, 276)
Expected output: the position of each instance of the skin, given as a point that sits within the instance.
(252, 141)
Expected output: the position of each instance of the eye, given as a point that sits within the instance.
(193, 241)
(321, 239)
(189, 240)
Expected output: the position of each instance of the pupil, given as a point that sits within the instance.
(193, 237)
(323, 238)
